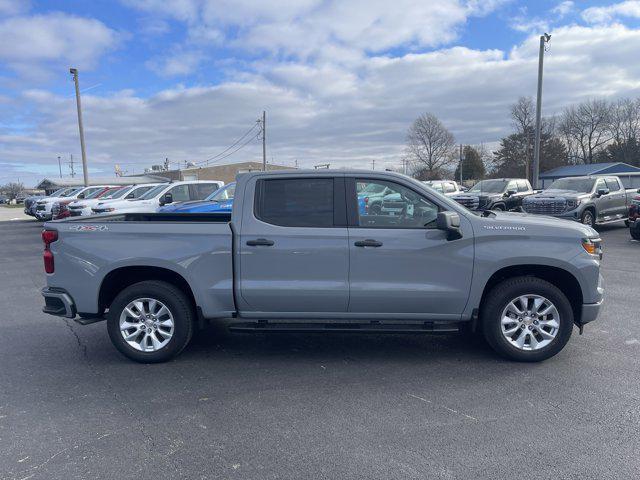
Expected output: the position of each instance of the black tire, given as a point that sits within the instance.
(635, 232)
(588, 218)
(502, 294)
(627, 223)
(174, 299)
(499, 208)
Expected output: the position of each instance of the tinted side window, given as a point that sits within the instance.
(512, 185)
(600, 184)
(299, 202)
(180, 193)
(203, 190)
(612, 184)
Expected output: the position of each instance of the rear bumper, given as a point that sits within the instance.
(590, 312)
(58, 302)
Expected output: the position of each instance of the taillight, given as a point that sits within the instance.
(48, 237)
(366, 200)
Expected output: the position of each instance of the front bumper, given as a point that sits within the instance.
(590, 312)
(58, 302)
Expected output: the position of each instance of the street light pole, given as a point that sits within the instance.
(536, 146)
(74, 72)
(60, 166)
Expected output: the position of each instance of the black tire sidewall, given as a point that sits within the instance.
(583, 216)
(175, 300)
(509, 289)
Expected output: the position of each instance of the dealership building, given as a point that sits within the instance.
(629, 174)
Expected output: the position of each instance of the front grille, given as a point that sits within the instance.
(40, 207)
(75, 213)
(471, 203)
(545, 206)
(55, 210)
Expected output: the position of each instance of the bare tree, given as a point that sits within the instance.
(430, 146)
(523, 115)
(586, 128)
(12, 190)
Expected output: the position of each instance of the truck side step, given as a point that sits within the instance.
(373, 327)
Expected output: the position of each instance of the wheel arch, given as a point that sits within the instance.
(120, 278)
(565, 281)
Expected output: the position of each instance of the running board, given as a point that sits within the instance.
(377, 327)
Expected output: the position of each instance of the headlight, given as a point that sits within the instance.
(593, 246)
(571, 204)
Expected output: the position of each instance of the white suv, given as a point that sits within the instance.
(163, 194)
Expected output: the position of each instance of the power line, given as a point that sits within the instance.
(229, 147)
(237, 149)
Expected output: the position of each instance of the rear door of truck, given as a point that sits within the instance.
(293, 247)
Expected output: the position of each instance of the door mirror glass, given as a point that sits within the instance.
(449, 222)
(81, 195)
(603, 191)
(130, 195)
(511, 191)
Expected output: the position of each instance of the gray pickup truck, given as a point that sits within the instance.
(590, 200)
(297, 254)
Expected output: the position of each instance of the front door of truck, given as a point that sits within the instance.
(400, 264)
(294, 256)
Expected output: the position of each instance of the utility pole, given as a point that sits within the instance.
(85, 173)
(73, 172)
(59, 166)
(264, 141)
(373, 164)
(536, 146)
(461, 159)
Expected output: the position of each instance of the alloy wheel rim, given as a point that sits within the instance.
(530, 322)
(146, 324)
(588, 219)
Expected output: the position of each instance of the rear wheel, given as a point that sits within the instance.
(635, 231)
(150, 322)
(588, 218)
(499, 208)
(527, 319)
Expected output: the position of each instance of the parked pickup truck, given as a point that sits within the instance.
(296, 254)
(591, 200)
(504, 194)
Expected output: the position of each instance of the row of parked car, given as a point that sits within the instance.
(184, 196)
(592, 200)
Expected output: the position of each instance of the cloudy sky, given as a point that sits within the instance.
(340, 80)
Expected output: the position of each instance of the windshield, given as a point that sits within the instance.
(153, 192)
(583, 185)
(73, 191)
(490, 186)
(117, 193)
(223, 194)
(94, 194)
(58, 192)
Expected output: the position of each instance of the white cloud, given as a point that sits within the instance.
(34, 40)
(14, 7)
(610, 13)
(563, 8)
(327, 113)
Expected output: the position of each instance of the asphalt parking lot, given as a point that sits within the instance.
(329, 406)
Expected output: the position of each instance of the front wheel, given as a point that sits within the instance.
(527, 319)
(150, 321)
(587, 218)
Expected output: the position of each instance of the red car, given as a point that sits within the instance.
(61, 210)
(634, 217)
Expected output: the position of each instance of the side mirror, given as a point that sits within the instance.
(603, 191)
(511, 191)
(450, 223)
(638, 191)
(166, 198)
(81, 195)
(130, 195)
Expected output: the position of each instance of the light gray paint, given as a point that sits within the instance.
(315, 273)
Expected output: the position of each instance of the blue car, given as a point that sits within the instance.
(220, 201)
